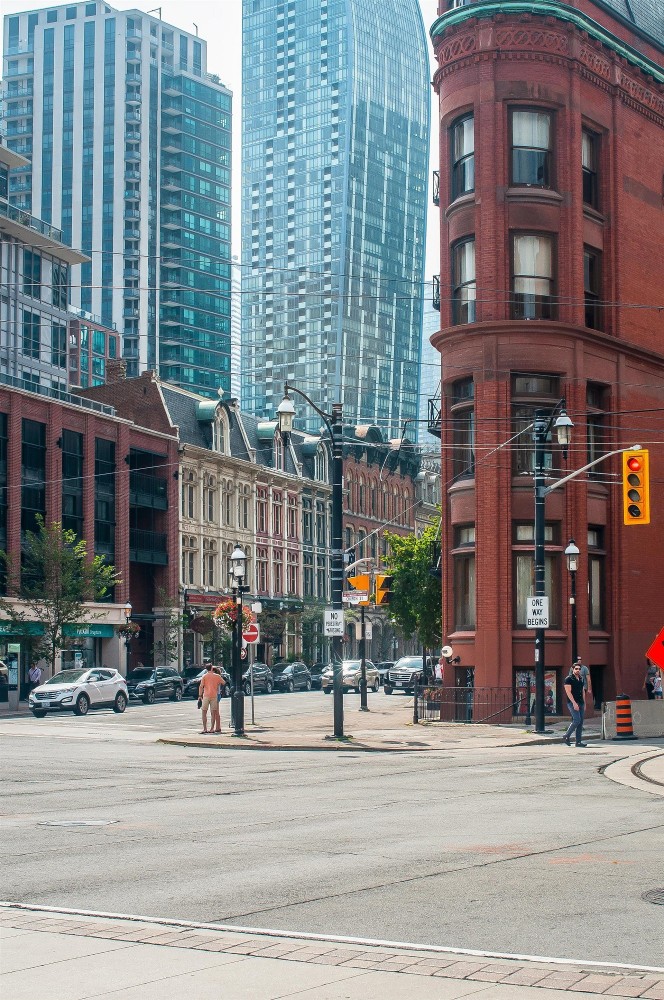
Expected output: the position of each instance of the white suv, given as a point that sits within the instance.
(78, 691)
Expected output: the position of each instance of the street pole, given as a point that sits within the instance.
(541, 429)
(337, 563)
(334, 424)
(238, 693)
(572, 601)
(363, 658)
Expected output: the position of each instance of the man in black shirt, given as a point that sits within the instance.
(576, 703)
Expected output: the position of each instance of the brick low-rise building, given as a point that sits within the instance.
(552, 229)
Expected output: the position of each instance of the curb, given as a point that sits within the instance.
(337, 747)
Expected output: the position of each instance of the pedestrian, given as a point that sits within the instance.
(649, 683)
(585, 677)
(215, 724)
(34, 676)
(440, 671)
(657, 686)
(207, 695)
(576, 703)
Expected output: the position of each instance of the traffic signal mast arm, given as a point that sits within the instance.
(561, 482)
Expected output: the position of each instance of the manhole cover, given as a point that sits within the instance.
(77, 822)
(654, 896)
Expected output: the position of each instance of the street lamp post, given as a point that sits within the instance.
(127, 613)
(238, 568)
(572, 556)
(333, 422)
(544, 421)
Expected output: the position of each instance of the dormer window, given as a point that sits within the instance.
(220, 433)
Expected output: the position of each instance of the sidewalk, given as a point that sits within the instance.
(70, 955)
(381, 729)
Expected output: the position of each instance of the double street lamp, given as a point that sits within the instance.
(238, 562)
(333, 422)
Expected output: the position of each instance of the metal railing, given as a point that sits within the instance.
(64, 397)
(30, 221)
(489, 705)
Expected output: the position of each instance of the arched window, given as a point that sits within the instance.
(278, 453)
(188, 493)
(220, 433)
(321, 472)
(189, 552)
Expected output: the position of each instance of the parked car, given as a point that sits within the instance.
(191, 677)
(383, 669)
(317, 675)
(78, 691)
(291, 676)
(263, 680)
(405, 672)
(352, 676)
(147, 685)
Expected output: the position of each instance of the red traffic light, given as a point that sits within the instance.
(634, 464)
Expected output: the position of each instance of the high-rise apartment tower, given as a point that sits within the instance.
(334, 183)
(129, 142)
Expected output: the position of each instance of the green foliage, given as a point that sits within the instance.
(416, 604)
(55, 580)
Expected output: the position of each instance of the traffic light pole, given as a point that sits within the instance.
(541, 427)
(337, 562)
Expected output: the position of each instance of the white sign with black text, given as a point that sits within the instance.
(334, 622)
(537, 612)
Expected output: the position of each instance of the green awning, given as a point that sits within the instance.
(21, 628)
(88, 631)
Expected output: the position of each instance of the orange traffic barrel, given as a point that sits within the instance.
(624, 729)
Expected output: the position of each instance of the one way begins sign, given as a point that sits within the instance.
(537, 614)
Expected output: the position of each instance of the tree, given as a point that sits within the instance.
(55, 581)
(416, 603)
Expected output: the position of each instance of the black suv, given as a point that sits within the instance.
(317, 675)
(263, 680)
(291, 676)
(192, 679)
(148, 685)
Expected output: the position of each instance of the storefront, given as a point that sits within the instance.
(88, 646)
(17, 641)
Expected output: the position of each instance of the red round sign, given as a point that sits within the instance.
(250, 633)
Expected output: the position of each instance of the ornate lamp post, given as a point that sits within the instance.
(544, 422)
(238, 568)
(572, 556)
(333, 422)
(127, 613)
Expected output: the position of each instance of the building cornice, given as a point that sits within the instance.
(451, 336)
(486, 9)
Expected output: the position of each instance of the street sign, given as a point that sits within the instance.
(537, 612)
(333, 622)
(354, 596)
(243, 654)
(251, 633)
(368, 631)
(656, 650)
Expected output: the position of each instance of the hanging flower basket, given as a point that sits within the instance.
(130, 630)
(225, 614)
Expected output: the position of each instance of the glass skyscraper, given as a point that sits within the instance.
(129, 142)
(334, 185)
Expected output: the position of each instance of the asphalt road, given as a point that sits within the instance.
(528, 850)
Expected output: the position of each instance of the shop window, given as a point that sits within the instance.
(533, 282)
(531, 148)
(462, 146)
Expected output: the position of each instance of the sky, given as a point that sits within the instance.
(219, 22)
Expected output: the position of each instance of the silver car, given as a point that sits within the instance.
(352, 676)
(78, 691)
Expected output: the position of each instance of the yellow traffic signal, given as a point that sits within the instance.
(383, 589)
(636, 487)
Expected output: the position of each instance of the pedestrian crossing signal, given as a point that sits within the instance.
(636, 487)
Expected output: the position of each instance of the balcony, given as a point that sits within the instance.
(147, 491)
(131, 174)
(148, 547)
(435, 290)
(133, 116)
(132, 233)
(131, 272)
(171, 127)
(434, 423)
(132, 213)
(26, 90)
(131, 293)
(133, 156)
(130, 312)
